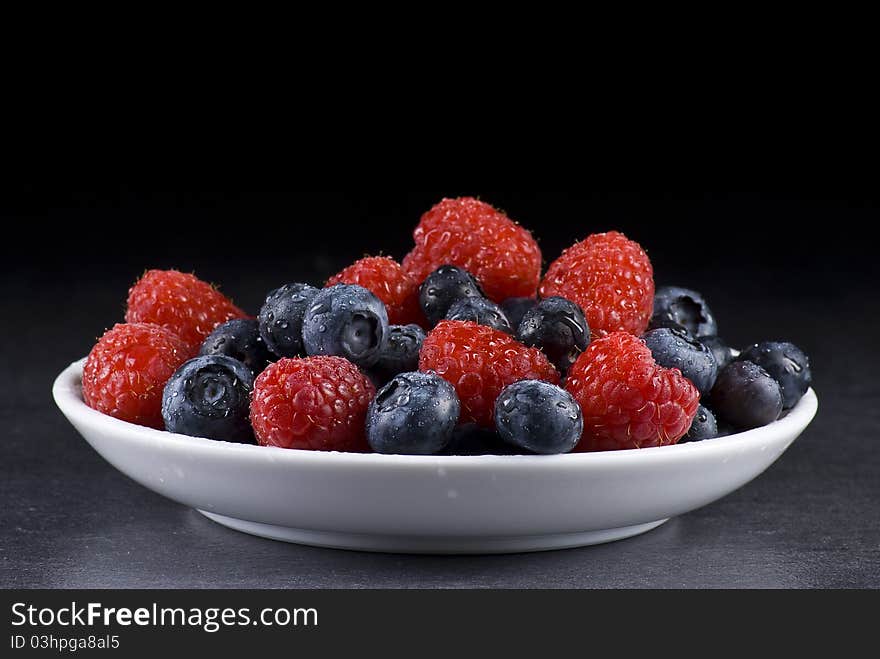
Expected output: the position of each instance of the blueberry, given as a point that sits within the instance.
(516, 307)
(703, 426)
(724, 429)
(471, 439)
(400, 354)
(414, 414)
(674, 305)
(722, 352)
(787, 364)
(348, 321)
(241, 340)
(209, 396)
(538, 416)
(281, 318)
(446, 285)
(745, 396)
(558, 327)
(480, 310)
(676, 348)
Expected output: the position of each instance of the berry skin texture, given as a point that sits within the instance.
(281, 318)
(675, 306)
(241, 340)
(482, 311)
(473, 235)
(610, 277)
(557, 326)
(400, 354)
(721, 351)
(127, 369)
(414, 414)
(746, 396)
(703, 427)
(317, 403)
(347, 321)
(787, 364)
(387, 280)
(538, 417)
(515, 308)
(627, 399)
(444, 287)
(183, 303)
(209, 396)
(676, 348)
(479, 362)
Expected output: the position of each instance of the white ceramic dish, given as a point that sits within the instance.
(436, 504)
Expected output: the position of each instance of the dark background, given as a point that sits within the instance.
(796, 266)
(131, 224)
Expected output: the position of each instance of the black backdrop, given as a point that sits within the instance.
(687, 230)
(746, 251)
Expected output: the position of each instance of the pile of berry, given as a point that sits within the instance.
(463, 348)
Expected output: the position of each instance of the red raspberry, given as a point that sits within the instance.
(317, 403)
(471, 234)
(127, 369)
(610, 277)
(387, 281)
(479, 362)
(628, 400)
(183, 303)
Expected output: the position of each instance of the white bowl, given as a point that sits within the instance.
(431, 504)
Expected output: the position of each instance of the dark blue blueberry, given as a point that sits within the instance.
(446, 285)
(676, 348)
(745, 396)
(558, 327)
(241, 340)
(722, 352)
(703, 427)
(539, 417)
(480, 310)
(281, 318)
(414, 414)
(348, 321)
(471, 439)
(676, 306)
(787, 364)
(724, 428)
(400, 354)
(210, 397)
(516, 307)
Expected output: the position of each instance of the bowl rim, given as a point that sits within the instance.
(67, 393)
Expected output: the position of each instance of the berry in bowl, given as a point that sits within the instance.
(456, 402)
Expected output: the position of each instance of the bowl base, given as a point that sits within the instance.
(405, 544)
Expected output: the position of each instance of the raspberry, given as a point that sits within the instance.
(127, 369)
(479, 362)
(628, 401)
(188, 306)
(385, 279)
(610, 277)
(472, 235)
(317, 403)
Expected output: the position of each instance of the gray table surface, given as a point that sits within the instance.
(68, 519)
